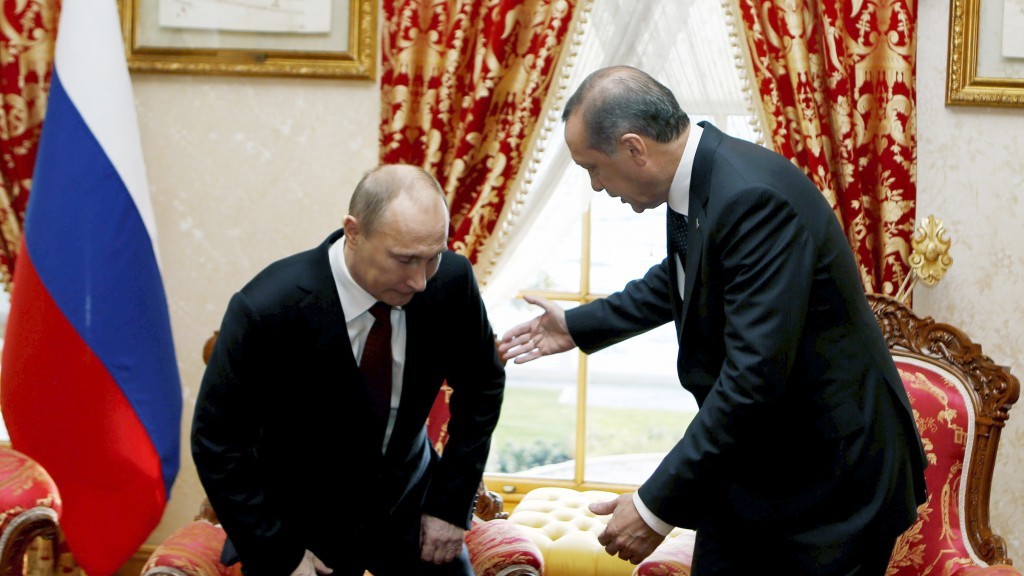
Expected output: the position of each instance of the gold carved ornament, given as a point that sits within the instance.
(929, 258)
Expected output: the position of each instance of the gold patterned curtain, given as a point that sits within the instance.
(27, 32)
(836, 80)
(463, 84)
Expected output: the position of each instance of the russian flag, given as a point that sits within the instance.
(90, 385)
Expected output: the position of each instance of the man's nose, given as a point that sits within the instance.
(418, 278)
(596, 184)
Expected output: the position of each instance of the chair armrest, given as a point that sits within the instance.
(501, 548)
(193, 550)
(672, 557)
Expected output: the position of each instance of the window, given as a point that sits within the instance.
(607, 419)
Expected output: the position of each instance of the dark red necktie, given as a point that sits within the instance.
(376, 360)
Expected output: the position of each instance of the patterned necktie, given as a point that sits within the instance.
(676, 233)
(376, 360)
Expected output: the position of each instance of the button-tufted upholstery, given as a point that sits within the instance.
(559, 522)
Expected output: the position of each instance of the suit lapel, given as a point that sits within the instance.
(700, 190)
(323, 311)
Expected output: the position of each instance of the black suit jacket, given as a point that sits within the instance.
(804, 429)
(282, 432)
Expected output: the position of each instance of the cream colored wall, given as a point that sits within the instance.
(242, 171)
(971, 175)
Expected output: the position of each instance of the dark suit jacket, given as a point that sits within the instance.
(804, 428)
(282, 432)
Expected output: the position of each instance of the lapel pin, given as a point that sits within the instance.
(697, 224)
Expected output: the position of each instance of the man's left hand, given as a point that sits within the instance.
(440, 542)
(627, 535)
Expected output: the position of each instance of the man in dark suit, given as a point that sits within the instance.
(316, 461)
(804, 454)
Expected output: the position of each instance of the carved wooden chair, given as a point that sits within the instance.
(30, 506)
(496, 546)
(961, 401)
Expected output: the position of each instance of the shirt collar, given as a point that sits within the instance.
(679, 191)
(354, 299)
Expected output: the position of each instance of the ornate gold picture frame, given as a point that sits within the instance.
(313, 38)
(982, 70)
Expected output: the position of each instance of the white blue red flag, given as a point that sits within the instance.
(90, 385)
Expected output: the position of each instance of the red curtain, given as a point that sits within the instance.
(463, 84)
(836, 81)
(27, 32)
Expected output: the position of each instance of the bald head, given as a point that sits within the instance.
(621, 99)
(380, 187)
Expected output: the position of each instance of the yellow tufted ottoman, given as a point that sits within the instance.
(566, 531)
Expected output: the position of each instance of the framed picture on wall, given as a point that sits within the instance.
(986, 53)
(314, 38)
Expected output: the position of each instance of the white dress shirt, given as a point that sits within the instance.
(356, 303)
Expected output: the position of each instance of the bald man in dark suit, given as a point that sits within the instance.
(313, 449)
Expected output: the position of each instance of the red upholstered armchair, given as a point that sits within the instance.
(961, 401)
(30, 506)
(496, 547)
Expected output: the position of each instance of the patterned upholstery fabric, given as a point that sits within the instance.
(30, 506)
(672, 558)
(496, 549)
(24, 486)
(193, 550)
(937, 542)
(499, 548)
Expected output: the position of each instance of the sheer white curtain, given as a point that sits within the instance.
(685, 44)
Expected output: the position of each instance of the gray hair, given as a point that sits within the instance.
(621, 99)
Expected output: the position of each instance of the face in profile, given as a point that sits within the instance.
(396, 259)
(621, 175)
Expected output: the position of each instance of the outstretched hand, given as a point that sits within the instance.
(545, 334)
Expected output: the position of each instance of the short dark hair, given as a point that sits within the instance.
(621, 99)
(380, 186)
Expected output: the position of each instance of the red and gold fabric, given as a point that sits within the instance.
(498, 547)
(672, 557)
(193, 550)
(463, 85)
(937, 542)
(27, 33)
(836, 82)
(26, 489)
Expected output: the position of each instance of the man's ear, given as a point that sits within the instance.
(635, 147)
(352, 231)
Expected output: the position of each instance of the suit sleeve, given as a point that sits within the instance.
(477, 378)
(225, 439)
(763, 255)
(643, 305)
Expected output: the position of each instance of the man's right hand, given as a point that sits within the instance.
(311, 566)
(545, 334)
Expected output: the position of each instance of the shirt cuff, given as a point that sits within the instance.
(656, 524)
